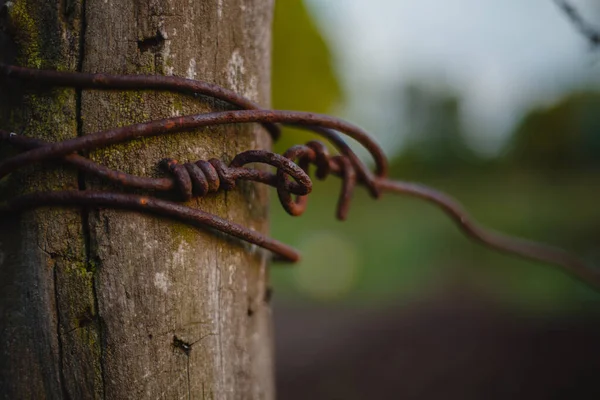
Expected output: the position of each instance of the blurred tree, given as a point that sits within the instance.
(303, 76)
(564, 135)
(435, 136)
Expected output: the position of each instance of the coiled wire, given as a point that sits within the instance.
(193, 179)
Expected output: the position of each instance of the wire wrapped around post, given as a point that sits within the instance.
(187, 180)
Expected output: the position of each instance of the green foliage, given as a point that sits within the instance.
(303, 76)
(396, 249)
(435, 137)
(564, 135)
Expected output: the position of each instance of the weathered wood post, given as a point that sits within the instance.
(114, 304)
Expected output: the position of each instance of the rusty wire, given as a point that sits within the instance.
(589, 32)
(192, 179)
(179, 85)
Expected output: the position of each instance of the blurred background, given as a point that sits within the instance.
(498, 104)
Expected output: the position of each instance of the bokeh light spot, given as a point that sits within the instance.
(329, 268)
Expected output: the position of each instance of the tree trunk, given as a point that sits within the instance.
(116, 304)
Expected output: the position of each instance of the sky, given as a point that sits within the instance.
(502, 56)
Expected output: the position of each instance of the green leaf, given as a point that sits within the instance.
(303, 76)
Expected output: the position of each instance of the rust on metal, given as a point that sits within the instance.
(193, 179)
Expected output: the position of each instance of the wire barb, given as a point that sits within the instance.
(591, 33)
(194, 179)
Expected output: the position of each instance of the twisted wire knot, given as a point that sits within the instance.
(195, 179)
(203, 177)
(200, 178)
(316, 153)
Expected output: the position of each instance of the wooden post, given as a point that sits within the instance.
(114, 304)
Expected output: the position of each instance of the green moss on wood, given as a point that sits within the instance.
(181, 233)
(178, 105)
(52, 112)
(26, 33)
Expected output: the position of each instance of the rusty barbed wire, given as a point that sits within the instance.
(189, 179)
(193, 179)
(176, 84)
(589, 32)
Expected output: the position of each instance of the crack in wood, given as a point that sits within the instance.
(59, 339)
(90, 316)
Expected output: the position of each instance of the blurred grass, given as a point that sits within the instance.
(402, 248)
(397, 248)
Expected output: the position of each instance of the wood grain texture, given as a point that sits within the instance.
(40, 250)
(119, 305)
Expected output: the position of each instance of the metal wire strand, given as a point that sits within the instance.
(178, 124)
(79, 198)
(202, 177)
(131, 82)
(102, 81)
(573, 265)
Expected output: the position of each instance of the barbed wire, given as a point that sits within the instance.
(193, 179)
(591, 33)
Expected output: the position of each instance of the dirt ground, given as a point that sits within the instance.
(449, 348)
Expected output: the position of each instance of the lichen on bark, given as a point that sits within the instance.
(106, 291)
